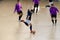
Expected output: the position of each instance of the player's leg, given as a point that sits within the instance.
(36, 8)
(52, 19)
(20, 15)
(31, 29)
(55, 19)
(24, 22)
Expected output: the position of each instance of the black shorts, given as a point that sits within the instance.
(53, 16)
(20, 12)
(36, 5)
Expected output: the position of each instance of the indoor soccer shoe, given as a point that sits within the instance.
(33, 32)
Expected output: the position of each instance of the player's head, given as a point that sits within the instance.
(32, 10)
(52, 4)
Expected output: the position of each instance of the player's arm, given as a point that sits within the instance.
(20, 5)
(57, 10)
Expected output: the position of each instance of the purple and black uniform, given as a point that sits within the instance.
(36, 1)
(36, 4)
(18, 8)
(53, 11)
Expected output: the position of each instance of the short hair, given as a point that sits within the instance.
(52, 4)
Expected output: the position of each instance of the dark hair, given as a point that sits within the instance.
(31, 10)
(52, 4)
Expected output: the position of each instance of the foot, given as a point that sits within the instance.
(33, 32)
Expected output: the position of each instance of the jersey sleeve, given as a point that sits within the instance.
(57, 10)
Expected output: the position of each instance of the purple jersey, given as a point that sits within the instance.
(36, 1)
(18, 7)
(53, 10)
